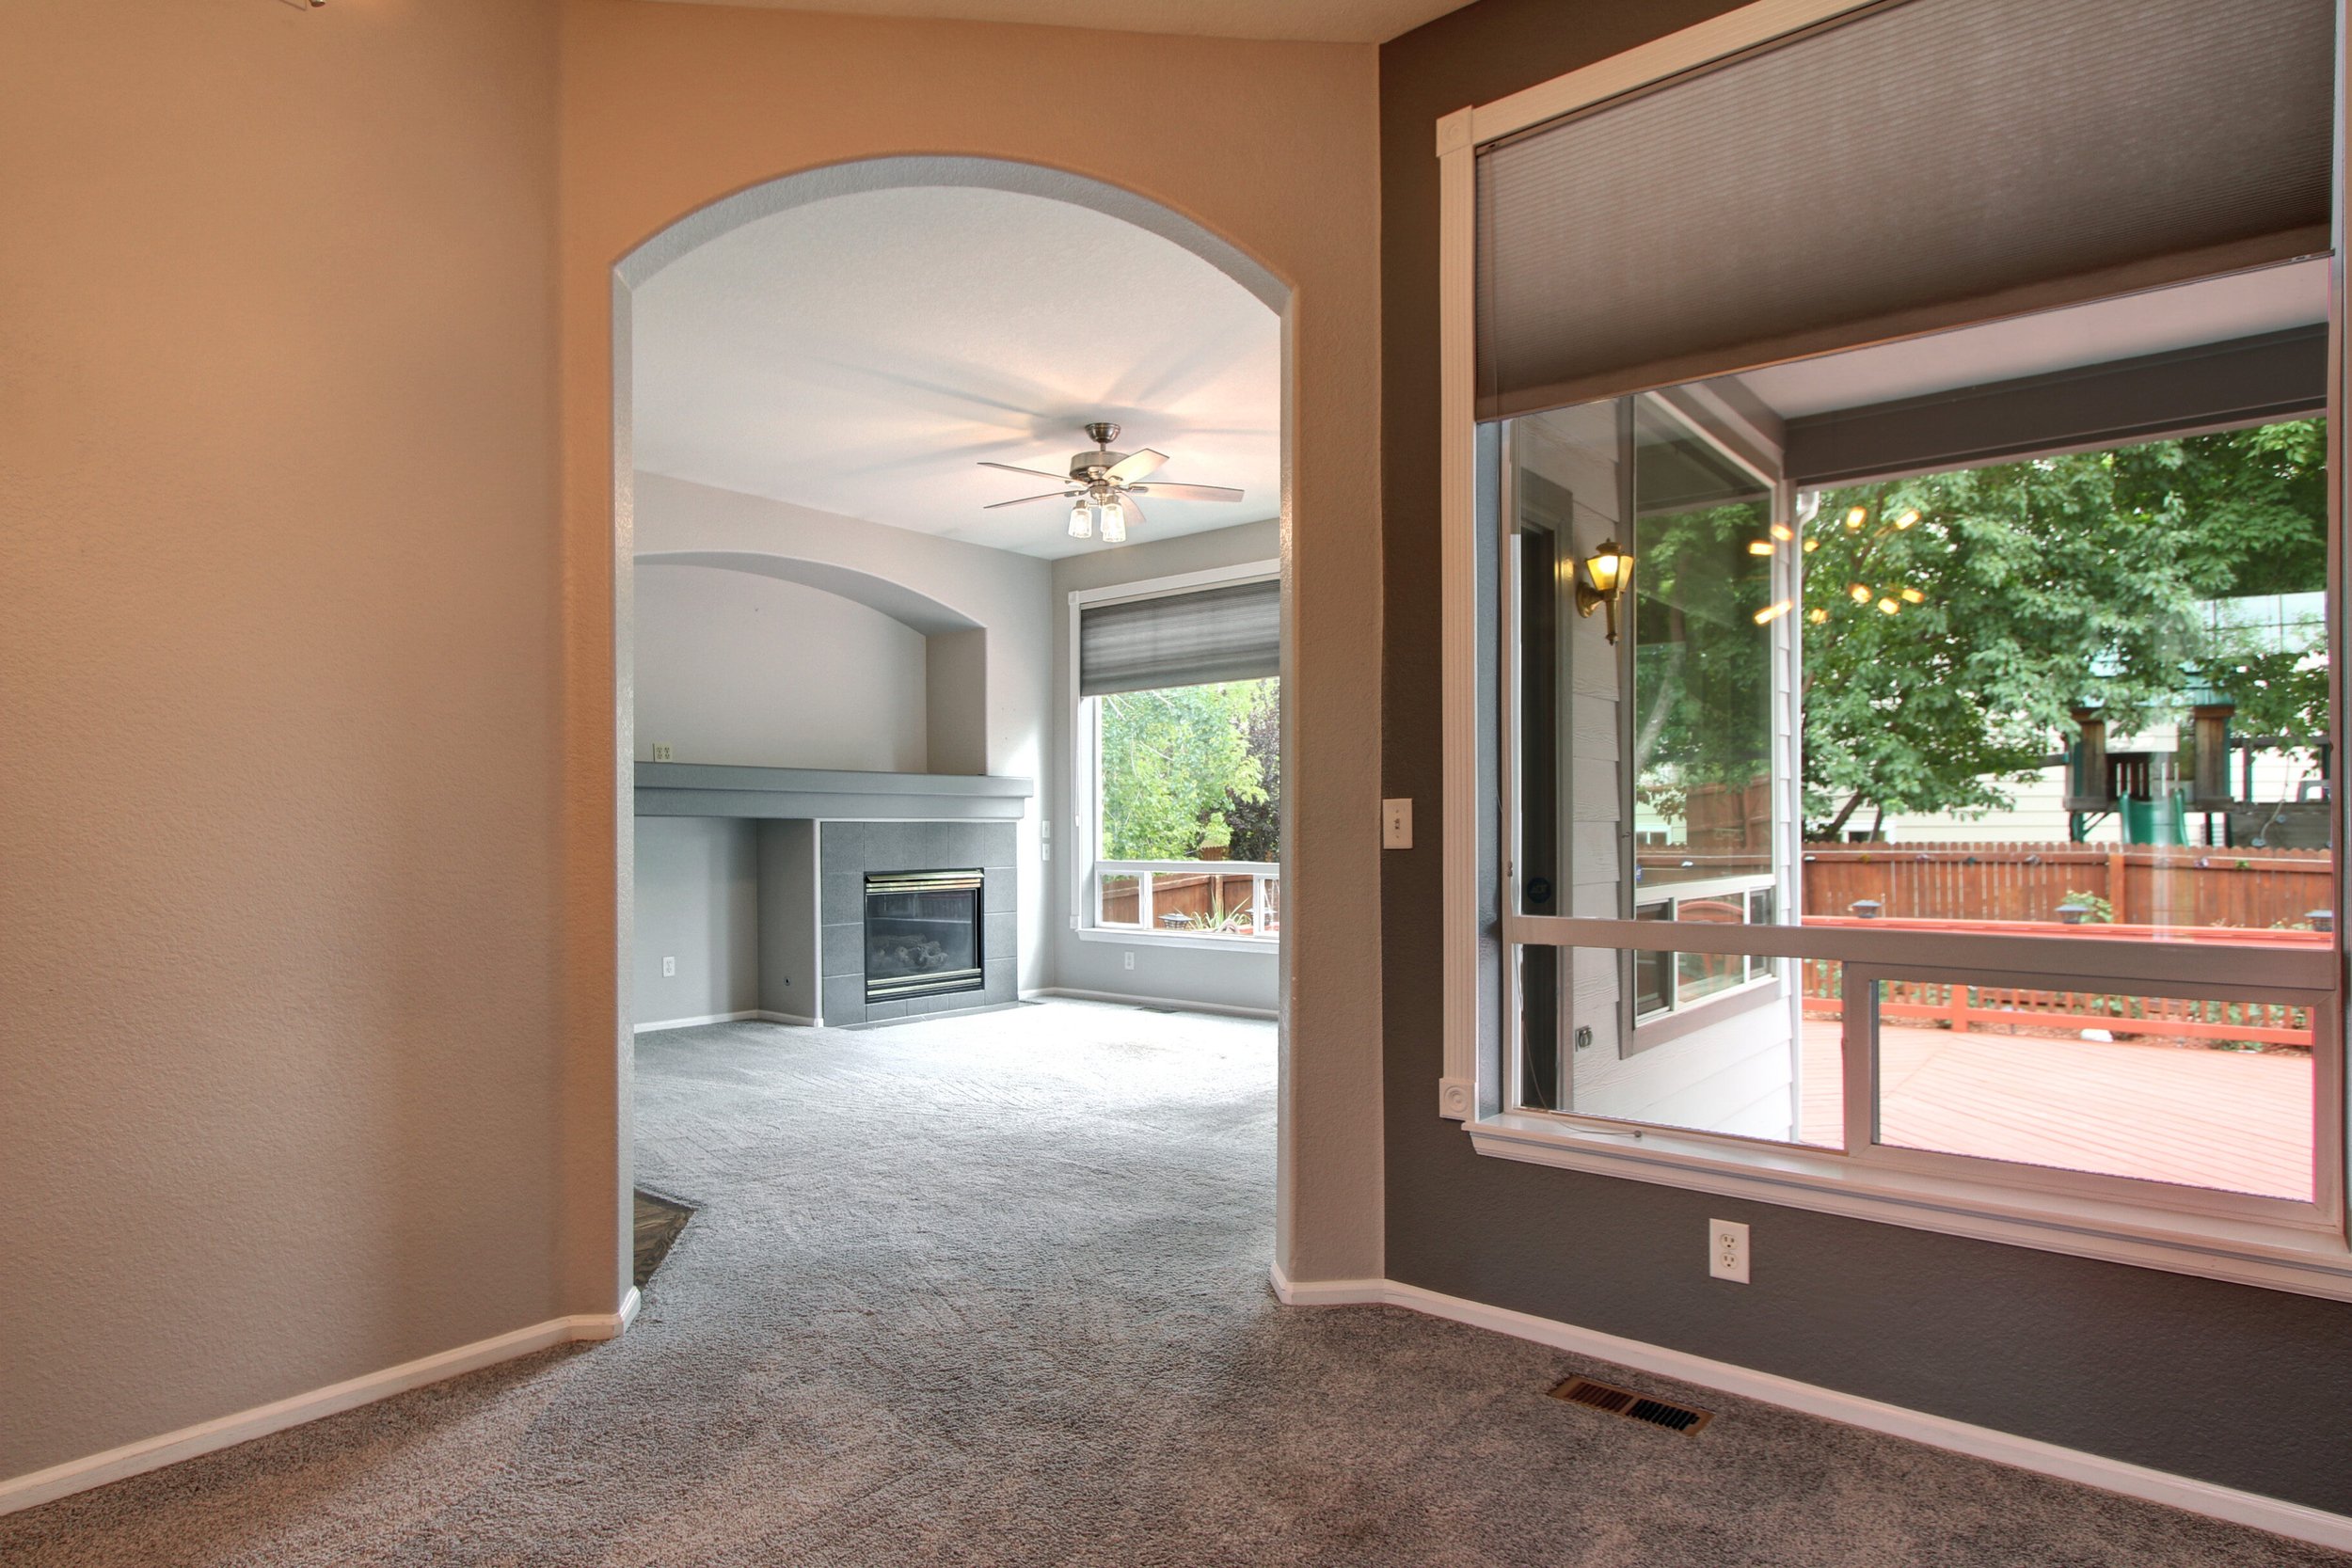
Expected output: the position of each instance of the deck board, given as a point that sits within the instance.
(2240, 1121)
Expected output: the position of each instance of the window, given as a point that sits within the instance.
(1907, 640)
(1178, 762)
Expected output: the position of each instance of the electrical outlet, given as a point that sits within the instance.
(1396, 824)
(660, 751)
(1130, 959)
(1727, 1250)
(669, 969)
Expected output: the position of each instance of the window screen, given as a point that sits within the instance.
(1924, 164)
(1215, 634)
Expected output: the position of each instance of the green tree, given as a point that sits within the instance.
(1171, 758)
(1954, 620)
(1257, 824)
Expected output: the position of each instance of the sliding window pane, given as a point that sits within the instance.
(2198, 1092)
(2079, 694)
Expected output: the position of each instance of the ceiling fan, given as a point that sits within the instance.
(1106, 483)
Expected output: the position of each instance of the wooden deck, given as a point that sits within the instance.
(2236, 1120)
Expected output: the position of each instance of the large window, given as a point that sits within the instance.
(2026, 680)
(1180, 770)
(1905, 618)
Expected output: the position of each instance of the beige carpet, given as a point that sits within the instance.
(992, 1291)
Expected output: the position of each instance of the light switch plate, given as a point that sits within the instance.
(1396, 824)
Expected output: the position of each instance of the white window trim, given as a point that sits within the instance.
(2201, 1234)
(1084, 751)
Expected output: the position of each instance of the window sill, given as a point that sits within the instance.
(1262, 946)
(2307, 1260)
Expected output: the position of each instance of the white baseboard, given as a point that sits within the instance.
(1181, 1005)
(767, 1016)
(226, 1432)
(2025, 1453)
(709, 1018)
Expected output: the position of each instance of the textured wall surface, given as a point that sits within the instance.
(1274, 147)
(698, 903)
(278, 928)
(2241, 1387)
(733, 666)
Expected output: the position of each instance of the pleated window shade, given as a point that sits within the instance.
(1212, 634)
(1920, 165)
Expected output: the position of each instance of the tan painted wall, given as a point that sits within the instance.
(279, 1067)
(669, 107)
(309, 1055)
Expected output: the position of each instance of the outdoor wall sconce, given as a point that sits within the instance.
(1600, 580)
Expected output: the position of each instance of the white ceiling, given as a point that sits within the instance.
(2158, 320)
(861, 354)
(1317, 21)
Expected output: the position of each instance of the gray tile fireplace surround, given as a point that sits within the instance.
(846, 851)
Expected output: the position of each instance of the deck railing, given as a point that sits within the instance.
(1963, 1008)
(1238, 899)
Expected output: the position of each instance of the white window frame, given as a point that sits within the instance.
(2270, 1242)
(1087, 864)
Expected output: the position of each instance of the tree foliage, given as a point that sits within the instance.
(1173, 758)
(2022, 589)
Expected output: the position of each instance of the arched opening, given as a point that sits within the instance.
(999, 691)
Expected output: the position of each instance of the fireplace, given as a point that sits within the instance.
(922, 933)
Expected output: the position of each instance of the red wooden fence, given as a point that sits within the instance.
(2144, 884)
(1196, 896)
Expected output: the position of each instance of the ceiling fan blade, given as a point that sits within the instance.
(1049, 495)
(1033, 473)
(1135, 466)
(1193, 492)
(1131, 505)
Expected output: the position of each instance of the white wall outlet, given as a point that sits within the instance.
(669, 969)
(660, 751)
(1130, 961)
(1727, 1250)
(1396, 824)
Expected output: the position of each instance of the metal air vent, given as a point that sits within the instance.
(1632, 1406)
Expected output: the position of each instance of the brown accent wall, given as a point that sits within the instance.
(2220, 1382)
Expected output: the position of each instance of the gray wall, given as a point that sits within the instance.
(1006, 594)
(1250, 980)
(736, 668)
(787, 919)
(283, 1063)
(698, 902)
(2242, 1387)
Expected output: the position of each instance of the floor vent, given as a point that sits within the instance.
(1632, 1406)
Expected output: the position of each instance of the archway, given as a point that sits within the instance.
(779, 195)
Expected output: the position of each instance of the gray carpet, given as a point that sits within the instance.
(992, 1291)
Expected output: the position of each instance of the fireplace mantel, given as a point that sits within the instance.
(709, 789)
(699, 788)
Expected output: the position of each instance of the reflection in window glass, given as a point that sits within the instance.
(1701, 720)
(1702, 974)
(2044, 692)
(1653, 973)
(2067, 694)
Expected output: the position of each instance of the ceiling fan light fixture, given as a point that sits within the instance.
(1081, 520)
(1114, 523)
